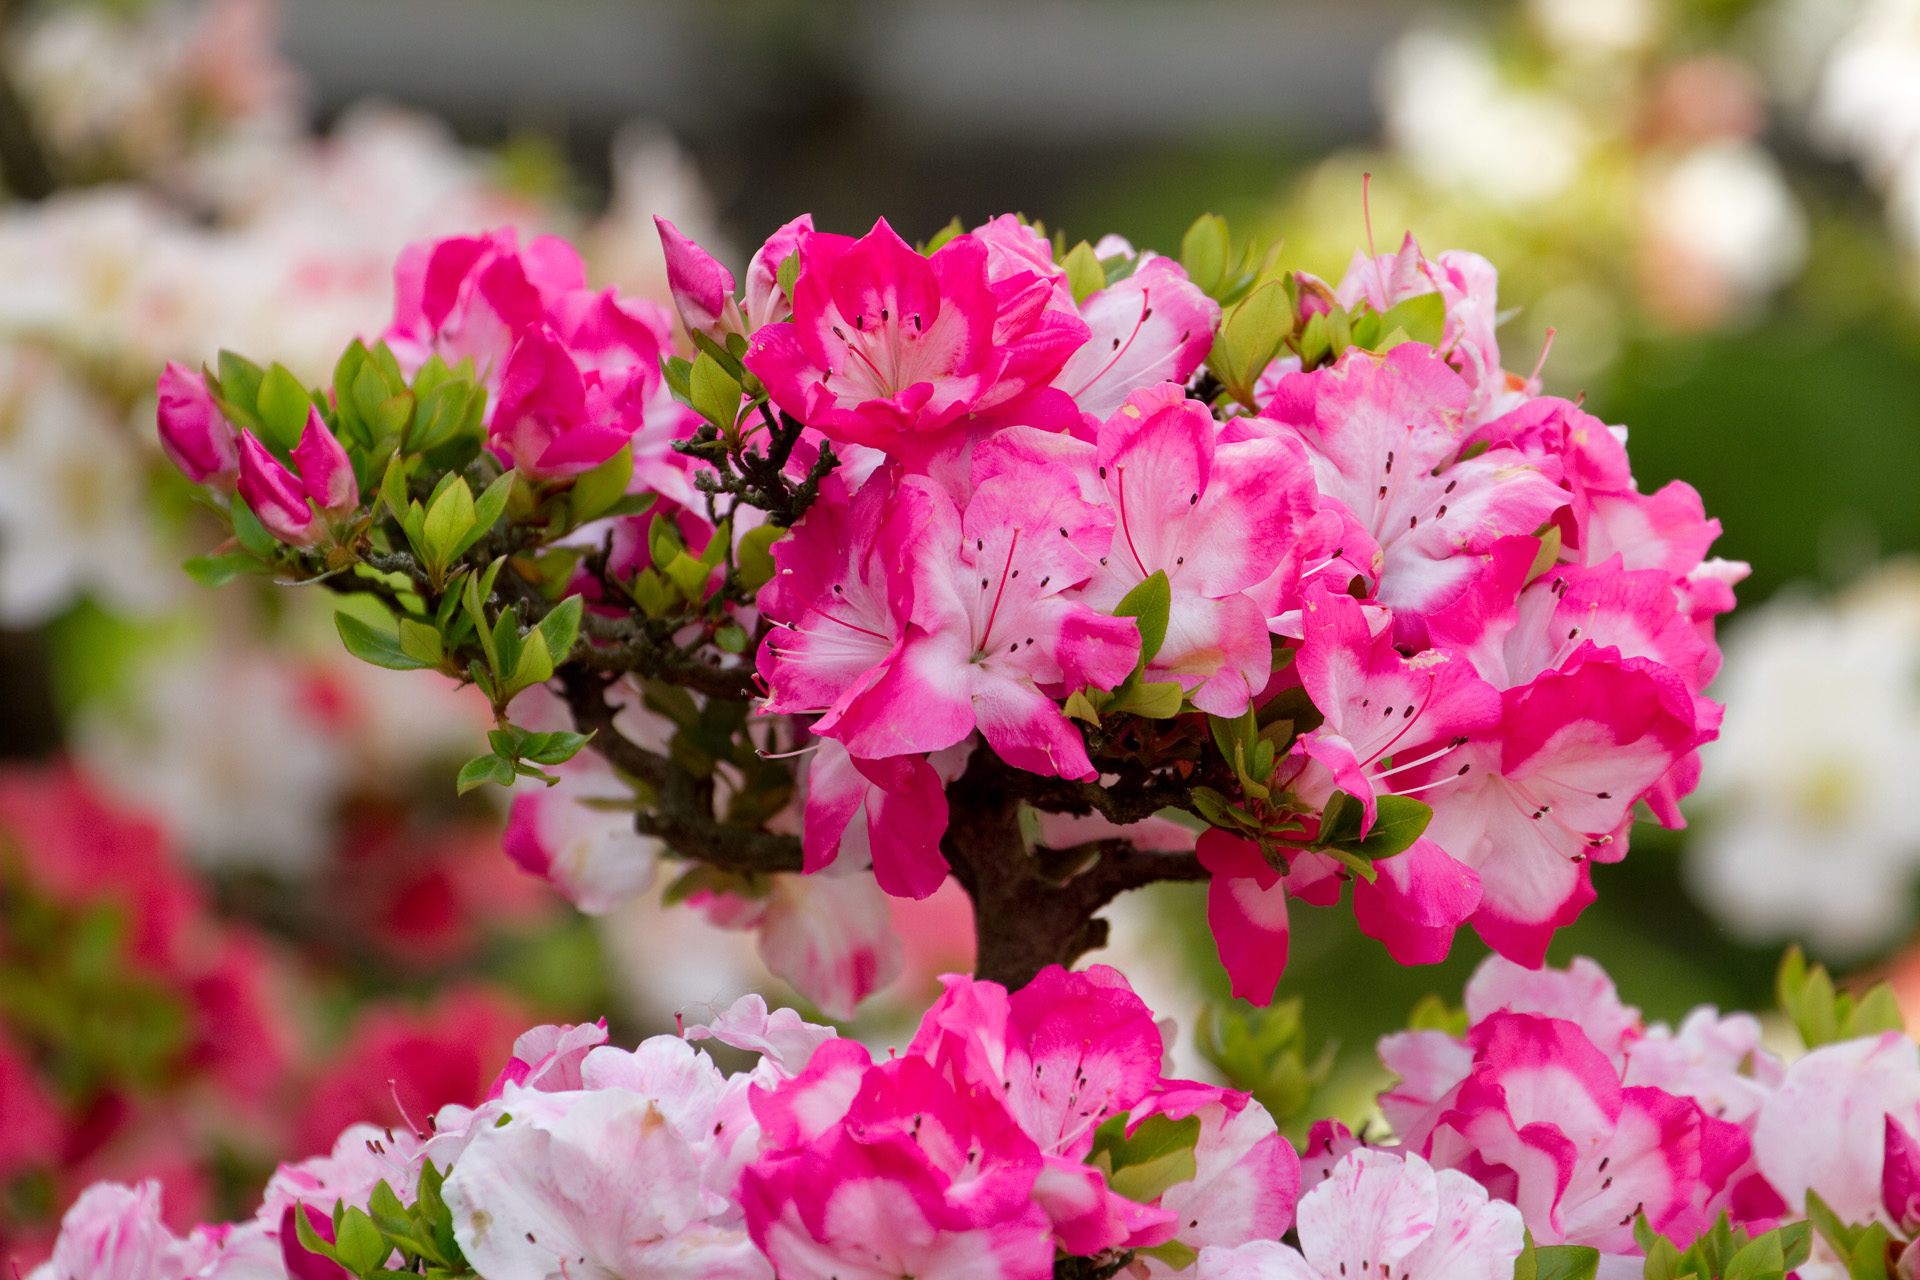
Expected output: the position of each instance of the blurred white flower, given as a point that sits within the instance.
(1589, 28)
(73, 511)
(1867, 104)
(235, 752)
(1725, 207)
(1462, 127)
(1808, 824)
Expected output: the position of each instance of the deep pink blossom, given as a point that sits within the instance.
(1216, 519)
(902, 801)
(702, 288)
(303, 507)
(194, 434)
(552, 421)
(472, 296)
(764, 301)
(1544, 1120)
(886, 347)
(995, 637)
(1247, 907)
(1385, 714)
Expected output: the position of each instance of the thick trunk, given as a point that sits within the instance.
(1036, 908)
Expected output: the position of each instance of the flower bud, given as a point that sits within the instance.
(766, 302)
(275, 495)
(326, 473)
(194, 434)
(702, 288)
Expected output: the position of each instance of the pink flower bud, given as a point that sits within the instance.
(1900, 1177)
(301, 1263)
(276, 496)
(766, 302)
(193, 432)
(702, 288)
(325, 471)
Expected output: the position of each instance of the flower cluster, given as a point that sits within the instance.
(1014, 1129)
(1033, 1135)
(1431, 581)
(1299, 558)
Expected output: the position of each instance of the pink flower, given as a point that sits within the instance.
(886, 348)
(1384, 713)
(1216, 519)
(1149, 327)
(994, 633)
(30, 1128)
(301, 510)
(903, 803)
(1825, 1128)
(1526, 805)
(1384, 1213)
(1247, 907)
(549, 1057)
(828, 934)
(114, 1232)
(1545, 1121)
(895, 1169)
(552, 421)
(1385, 435)
(592, 857)
(842, 595)
(472, 296)
(399, 1063)
(193, 432)
(1468, 286)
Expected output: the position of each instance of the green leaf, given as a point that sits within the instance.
(789, 273)
(380, 648)
(595, 492)
(1263, 1051)
(421, 642)
(358, 1244)
(689, 576)
(1158, 1154)
(1204, 251)
(1823, 1015)
(393, 487)
(557, 747)
(731, 637)
(473, 594)
(252, 534)
(1150, 700)
(1251, 335)
(484, 769)
(1148, 604)
(1176, 1255)
(1080, 707)
(450, 517)
(240, 380)
(755, 556)
(1423, 316)
(1398, 821)
(218, 570)
(486, 512)
(440, 415)
(934, 244)
(1556, 1262)
(713, 392)
(309, 1238)
(1084, 272)
(561, 627)
(284, 406)
(534, 664)
(1431, 1013)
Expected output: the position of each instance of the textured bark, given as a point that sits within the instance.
(1040, 907)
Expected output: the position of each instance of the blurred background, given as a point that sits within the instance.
(235, 883)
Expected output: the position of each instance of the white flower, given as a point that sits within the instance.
(1460, 127)
(1808, 822)
(226, 747)
(1725, 206)
(73, 490)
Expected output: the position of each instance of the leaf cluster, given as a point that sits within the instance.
(1822, 1014)
(418, 1237)
(1724, 1252)
(1264, 1052)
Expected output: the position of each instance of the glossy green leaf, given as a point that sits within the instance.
(381, 648)
(1423, 317)
(1148, 604)
(1084, 273)
(283, 406)
(595, 491)
(1204, 251)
